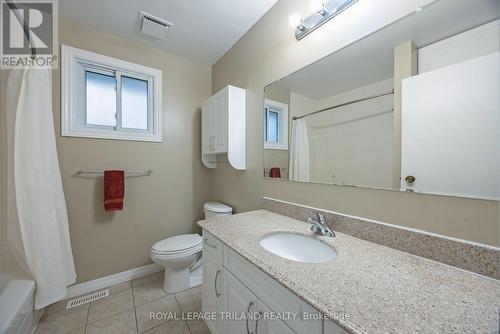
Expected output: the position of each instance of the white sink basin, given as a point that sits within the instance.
(298, 247)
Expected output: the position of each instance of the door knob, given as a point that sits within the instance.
(410, 179)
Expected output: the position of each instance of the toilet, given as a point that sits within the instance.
(181, 254)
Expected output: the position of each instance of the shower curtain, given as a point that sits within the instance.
(299, 152)
(37, 229)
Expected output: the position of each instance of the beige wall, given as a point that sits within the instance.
(268, 51)
(166, 203)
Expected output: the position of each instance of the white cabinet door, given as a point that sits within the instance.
(267, 326)
(208, 126)
(205, 128)
(213, 292)
(221, 120)
(213, 123)
(239, 300)
(451, 130)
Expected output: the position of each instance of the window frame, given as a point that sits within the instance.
(74, 65)
(282, 110)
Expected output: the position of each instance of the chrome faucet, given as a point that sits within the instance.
(320, 226)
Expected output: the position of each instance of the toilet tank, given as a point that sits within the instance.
(216, 209)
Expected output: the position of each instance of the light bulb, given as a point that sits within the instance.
(295, 20)
(316, 6)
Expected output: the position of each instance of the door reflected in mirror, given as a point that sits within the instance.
(412, 107)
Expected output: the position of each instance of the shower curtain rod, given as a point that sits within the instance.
(353, 120)
(23, 23)
(346, 103)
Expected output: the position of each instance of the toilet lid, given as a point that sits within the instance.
(177, 243)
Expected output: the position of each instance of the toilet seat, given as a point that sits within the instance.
(178, 245)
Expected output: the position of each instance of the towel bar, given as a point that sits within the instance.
(131, 173)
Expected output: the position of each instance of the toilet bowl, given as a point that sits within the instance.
(181, 255)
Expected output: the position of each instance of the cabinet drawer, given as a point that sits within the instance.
(213, 246)
(274, 295)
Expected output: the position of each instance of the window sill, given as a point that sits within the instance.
(275, 147)
(123, 135)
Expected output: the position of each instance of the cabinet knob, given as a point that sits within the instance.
(410, 179)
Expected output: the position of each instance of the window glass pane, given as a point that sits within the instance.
(101, 99)
(134, 103)
(272, 126)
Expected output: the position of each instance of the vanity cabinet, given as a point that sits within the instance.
(213, 285)
(223, 127)
(271, 327)
(239, 300)
(233, 285)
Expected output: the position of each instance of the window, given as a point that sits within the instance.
(275, 125)
(104, 97)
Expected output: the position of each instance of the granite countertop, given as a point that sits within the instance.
(380, 289)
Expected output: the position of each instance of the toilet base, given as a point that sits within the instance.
(179, 280)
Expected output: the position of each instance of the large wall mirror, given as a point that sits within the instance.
(412, 107)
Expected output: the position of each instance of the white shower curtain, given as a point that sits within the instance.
(37, 218)
(299, 152)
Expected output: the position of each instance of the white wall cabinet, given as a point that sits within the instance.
(221, 121)
(223, 127)
(241, 288)
(207, 126)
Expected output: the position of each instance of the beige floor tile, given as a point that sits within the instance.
(190, 300)
(63, 321)
(147, 279)
(118, 287)
(59, 306)
(147, 292)
(78, 331)
(198, 327)
(121, 323)
(171, 327)
(114, 304)
(166, 304)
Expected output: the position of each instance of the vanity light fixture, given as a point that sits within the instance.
(318, 6)
(323, 11)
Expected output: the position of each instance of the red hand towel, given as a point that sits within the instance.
(114, 190)
(275, 172)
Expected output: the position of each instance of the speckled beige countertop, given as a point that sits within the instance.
(381, 289)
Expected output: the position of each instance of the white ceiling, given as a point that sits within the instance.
(203, 29)
(371, 59)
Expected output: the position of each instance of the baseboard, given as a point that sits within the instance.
(107, 281)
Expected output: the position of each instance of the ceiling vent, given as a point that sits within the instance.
(153, 26)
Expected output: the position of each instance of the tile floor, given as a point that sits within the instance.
(127, 310)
